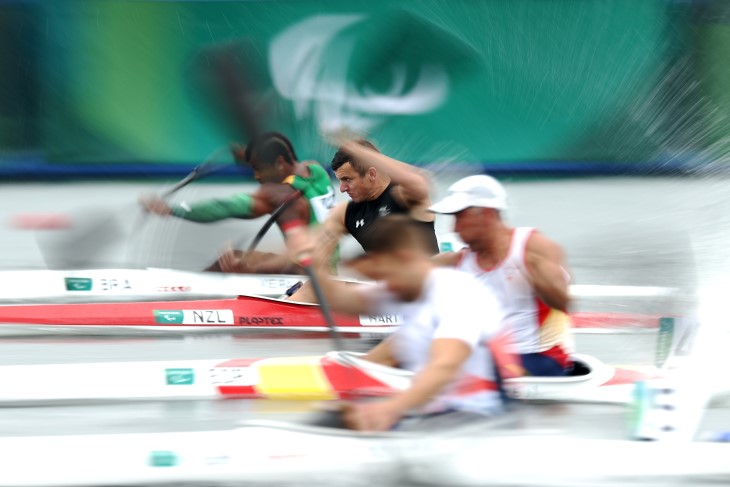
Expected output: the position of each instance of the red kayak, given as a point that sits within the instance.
(246, 312)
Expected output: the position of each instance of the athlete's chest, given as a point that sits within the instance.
(362, 215)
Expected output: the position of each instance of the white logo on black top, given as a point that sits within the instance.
(384, 211)
(359, 223)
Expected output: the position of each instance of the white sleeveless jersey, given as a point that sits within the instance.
(452, 305)
(533, 326)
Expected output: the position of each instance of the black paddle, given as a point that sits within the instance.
(205, 168)
(234, 79)
(323, 305)
(272, 219)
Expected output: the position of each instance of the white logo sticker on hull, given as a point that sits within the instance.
(194, 317)
(208, 317)
(381, 320)
(234, 376)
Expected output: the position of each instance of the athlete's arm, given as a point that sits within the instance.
(305, 247)
(547, 271)
(271, 263)
(352, 300)
(236, 261)
(237, 206)
(446, 259)
(447, 356)
(382, 353)
(328, 235)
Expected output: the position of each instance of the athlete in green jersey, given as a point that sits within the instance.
(281, 176)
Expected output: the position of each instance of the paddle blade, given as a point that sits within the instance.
(228, 79)
(40, 221)
(85, 242)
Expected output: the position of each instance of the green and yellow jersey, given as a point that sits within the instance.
(316, 188)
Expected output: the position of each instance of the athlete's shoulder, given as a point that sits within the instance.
(273, 193)
(316, 169)
(540, 244)
(337, 214)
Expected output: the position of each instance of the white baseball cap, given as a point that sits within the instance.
(482, 191)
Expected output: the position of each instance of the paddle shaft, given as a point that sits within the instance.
(272, 219)
(204, 168)
(181, 184)
(324, 306)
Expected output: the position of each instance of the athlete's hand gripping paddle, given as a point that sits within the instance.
(302, 247)
(231, 260)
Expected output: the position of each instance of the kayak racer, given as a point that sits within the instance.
(378, 186)
(283, 179)
(450, 324)
(523, 269)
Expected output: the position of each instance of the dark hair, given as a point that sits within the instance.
(397, 232)
(268, 147)
(340, 158)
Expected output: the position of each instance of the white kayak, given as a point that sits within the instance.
(336, 375)
(276, 453)
(151, 284)
(44, 286)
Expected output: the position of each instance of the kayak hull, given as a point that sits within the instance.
(337, 375)
(265, 452)
(104, 285)
(241, 313)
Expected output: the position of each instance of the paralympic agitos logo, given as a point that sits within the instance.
(352, 70)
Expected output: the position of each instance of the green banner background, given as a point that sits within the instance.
(639, 81)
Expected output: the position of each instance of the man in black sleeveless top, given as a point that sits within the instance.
(375, 194)
(377, 186)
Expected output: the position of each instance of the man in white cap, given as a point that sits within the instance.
(522, 268)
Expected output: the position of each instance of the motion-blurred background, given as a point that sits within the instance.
(108, 88)
(607, 120)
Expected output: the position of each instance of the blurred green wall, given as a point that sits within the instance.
(530, 80)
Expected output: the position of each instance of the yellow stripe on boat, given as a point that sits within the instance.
(301, 377)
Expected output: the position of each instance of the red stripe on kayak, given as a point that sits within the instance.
(238, 362)
(628, 376)
(472, 385)
(614, 320)
(248, 311)
(351, 383)
(239, 391)
(235, 390)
